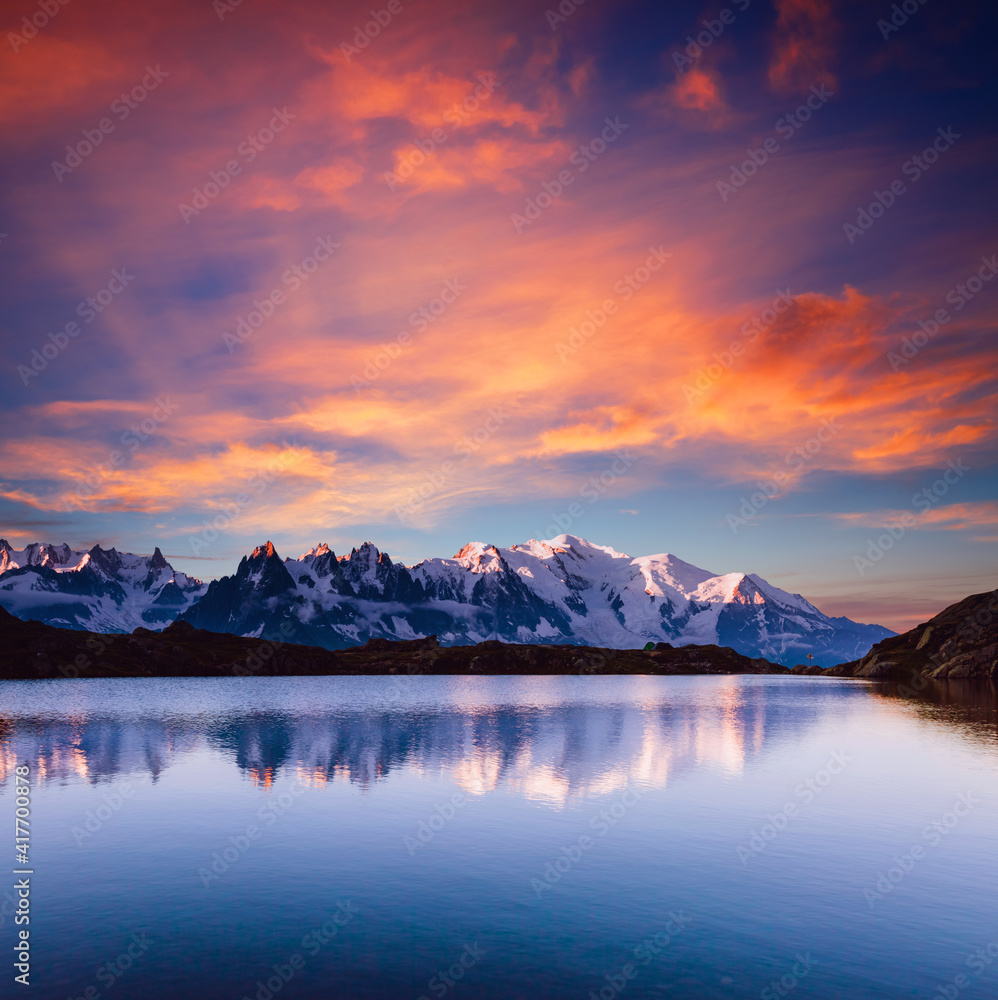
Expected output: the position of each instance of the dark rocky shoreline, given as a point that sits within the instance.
(34, 650)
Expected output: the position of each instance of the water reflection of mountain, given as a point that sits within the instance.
(550, 753)
(969, 706)
(95, 750)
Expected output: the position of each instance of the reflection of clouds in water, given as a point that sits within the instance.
(544, 750)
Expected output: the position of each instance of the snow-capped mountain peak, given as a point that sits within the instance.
(316, 551)
(56, 557)
(666, 574)
(265, 551)
(572, 545)
(157, 560)
(480, 558)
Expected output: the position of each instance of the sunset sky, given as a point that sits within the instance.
(603, 290)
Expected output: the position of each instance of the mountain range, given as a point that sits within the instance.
(563, 590)
(100, 590)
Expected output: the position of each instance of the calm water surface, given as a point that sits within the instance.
(485, 837)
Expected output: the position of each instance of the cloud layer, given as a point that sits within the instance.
(543, 255)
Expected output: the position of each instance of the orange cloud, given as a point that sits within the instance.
(605, 428)
(696, 98)
(973, 517)
(332, 181)
(804, 45)
(269, 192)
(428, 100)
(623, 388)
(48, 74)
(497, 345)
(499, 163)
(699, 90)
